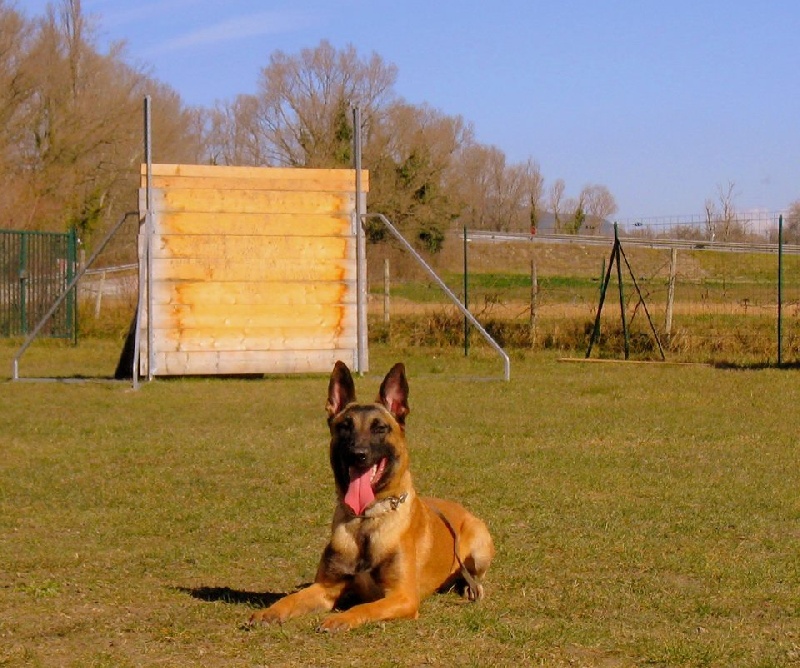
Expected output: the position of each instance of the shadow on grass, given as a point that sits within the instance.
(233, 596)
(756, 366)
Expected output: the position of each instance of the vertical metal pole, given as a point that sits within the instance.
(603, 288)
(23, 283)
(142, 252)
(151, 354)
(361, 248)
(621, 294)
(780, 290)
(466, 295)
(72, 301)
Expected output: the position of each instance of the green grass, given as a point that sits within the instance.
(510, 285)
(644, 515)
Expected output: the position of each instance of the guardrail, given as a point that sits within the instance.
(668, 244)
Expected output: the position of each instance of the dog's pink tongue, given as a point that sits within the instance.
(359, 493)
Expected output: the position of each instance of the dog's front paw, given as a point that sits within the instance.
(336, 623)
(266, 616)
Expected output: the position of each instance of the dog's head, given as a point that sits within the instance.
(368, 450)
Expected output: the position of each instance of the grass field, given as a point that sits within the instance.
(644, 515)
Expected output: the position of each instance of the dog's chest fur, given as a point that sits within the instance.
(364, 545)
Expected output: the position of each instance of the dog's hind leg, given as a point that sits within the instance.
(477, 552)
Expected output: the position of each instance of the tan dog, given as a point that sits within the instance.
(389, 548)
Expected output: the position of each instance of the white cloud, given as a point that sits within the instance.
(237, 28)
(114, 15)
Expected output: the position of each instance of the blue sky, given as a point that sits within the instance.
(662, 102)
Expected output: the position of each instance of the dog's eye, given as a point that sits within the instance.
(379, 428)
(344, 427)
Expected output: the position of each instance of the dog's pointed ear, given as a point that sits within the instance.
(394, 393)
(341, 390)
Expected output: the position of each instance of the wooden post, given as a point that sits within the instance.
(673, 270)
(386, 291)
(99, 299)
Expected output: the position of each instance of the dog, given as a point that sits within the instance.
(389, 548)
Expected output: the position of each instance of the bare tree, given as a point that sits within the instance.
(234, 133)
(556, 203)
(496, 195)
(598, 204)
(411, 153)
(710, 209)
(72, 141)
(791, 221)
(721, 218)
(726, 197)
(16, 90)
(535, 191)
(301, 115)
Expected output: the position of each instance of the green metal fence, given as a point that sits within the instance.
(35, 269)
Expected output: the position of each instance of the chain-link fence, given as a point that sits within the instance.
(702, 300)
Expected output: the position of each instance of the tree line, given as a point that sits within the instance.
(72, 140)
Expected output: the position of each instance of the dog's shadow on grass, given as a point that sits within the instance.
(233, 596)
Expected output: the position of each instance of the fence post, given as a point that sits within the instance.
(673, 269)
(23, 285)
(621, 293)
(72, 299)
(98, 300)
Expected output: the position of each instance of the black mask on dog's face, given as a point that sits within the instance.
(363, 450)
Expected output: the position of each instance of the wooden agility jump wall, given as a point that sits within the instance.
(253, 270)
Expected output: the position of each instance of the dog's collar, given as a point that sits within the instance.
(383, 506)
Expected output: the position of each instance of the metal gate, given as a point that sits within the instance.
(35, 269)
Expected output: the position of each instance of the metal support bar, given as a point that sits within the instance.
(642, 302)
(464, 311)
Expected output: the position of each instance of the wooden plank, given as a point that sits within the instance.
(266, 224)
(342, 183)
(240, 292)
(258, 178)
(249, 362)
(276, 338)
(238, 317)
(252, 201)
(265, 249)
(253, 270)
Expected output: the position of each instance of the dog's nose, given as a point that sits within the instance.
(360, 456)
